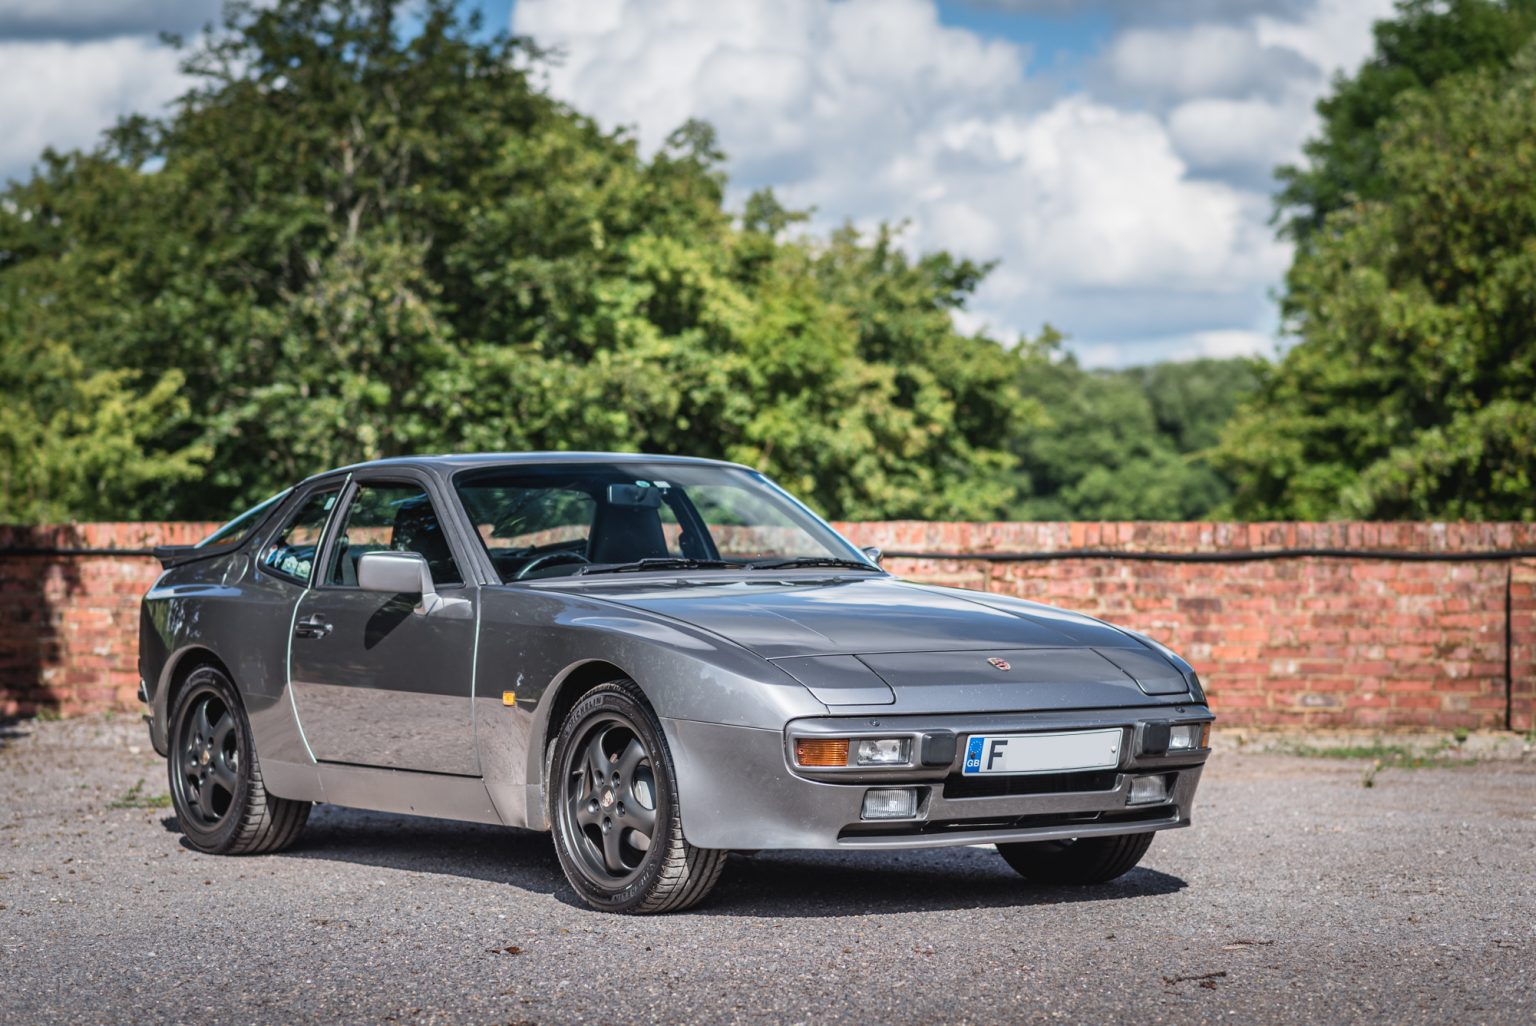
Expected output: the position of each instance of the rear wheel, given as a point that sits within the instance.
(221, 803)
(613, 804)
(1079, 860)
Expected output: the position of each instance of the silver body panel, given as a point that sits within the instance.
(402, 709)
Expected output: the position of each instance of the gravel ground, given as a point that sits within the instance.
(1299, 896)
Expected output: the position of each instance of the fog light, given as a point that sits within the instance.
(1187, 737)
(883, 751)
(890, 803)
(821, 751)
(1147, 790)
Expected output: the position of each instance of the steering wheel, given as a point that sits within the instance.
(547, 559)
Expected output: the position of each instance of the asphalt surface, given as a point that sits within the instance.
(1298, 896)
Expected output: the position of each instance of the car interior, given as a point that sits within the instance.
(555, 531)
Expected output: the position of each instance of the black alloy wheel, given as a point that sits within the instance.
(209, 752)
(613, 798)
(221, 802)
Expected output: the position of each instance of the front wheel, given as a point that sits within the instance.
(613, 804)
(1080, 860)
(221, 803)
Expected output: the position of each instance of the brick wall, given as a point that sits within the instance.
(1308, 642)
(1315, 642)
(69, 627)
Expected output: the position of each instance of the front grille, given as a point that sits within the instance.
(958, 786)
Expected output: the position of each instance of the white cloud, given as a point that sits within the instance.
(1219, 344)
(872, 110)
(1335, 35)
(63, 94)
(1230, 342)
(1253, 135)
(1201, 60)
(1153, 10)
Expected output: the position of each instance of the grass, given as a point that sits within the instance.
(135, 798)
(1394, 756)
(1385, 756)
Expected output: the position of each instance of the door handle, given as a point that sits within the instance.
(311, 627)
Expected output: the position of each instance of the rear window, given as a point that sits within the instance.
(240, 528)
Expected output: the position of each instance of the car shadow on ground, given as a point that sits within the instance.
(813, 884)
(770, 884)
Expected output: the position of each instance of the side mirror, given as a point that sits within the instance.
(397, 573)
(874, 553)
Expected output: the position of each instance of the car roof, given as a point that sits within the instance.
(447, 463)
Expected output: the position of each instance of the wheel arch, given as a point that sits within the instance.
(174, 677)
(566, 690)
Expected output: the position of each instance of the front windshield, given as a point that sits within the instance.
(555, 520)
(240, 528)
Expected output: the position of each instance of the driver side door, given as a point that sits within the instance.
(379, 680)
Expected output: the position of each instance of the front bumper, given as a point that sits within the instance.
(737, 789)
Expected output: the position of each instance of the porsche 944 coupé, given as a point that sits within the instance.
(659, 660)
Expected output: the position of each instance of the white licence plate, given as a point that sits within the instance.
(1042, 753)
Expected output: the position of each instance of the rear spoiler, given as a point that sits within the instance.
(178, 555)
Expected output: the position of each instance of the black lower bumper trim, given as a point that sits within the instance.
(959, 786)
(1051, 819)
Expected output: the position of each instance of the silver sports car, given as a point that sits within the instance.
(660, 660)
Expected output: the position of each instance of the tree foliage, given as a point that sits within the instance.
(1426, 41)
(1126, 445)
(1410, 392)
(350, 241)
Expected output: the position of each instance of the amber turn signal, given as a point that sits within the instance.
(821, 751)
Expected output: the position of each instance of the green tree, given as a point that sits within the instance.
(74, 442)
(1124, 445)
(1425, 42)
(1410, 392)
(349, 241)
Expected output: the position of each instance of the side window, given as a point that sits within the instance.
(292, 551)
(396, 518)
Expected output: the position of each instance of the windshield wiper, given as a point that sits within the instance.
(798, 561)
(655, 563)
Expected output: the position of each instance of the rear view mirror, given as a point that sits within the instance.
(634, 496)
(397, 573)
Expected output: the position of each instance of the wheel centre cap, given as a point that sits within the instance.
(607, 798)
(205, 757)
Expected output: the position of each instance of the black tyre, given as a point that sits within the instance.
(613, 804)
(1081, 860)
(221, 804)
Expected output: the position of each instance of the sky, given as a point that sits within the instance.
(1114, 157)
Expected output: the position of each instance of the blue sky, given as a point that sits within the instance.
(1114, 157)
